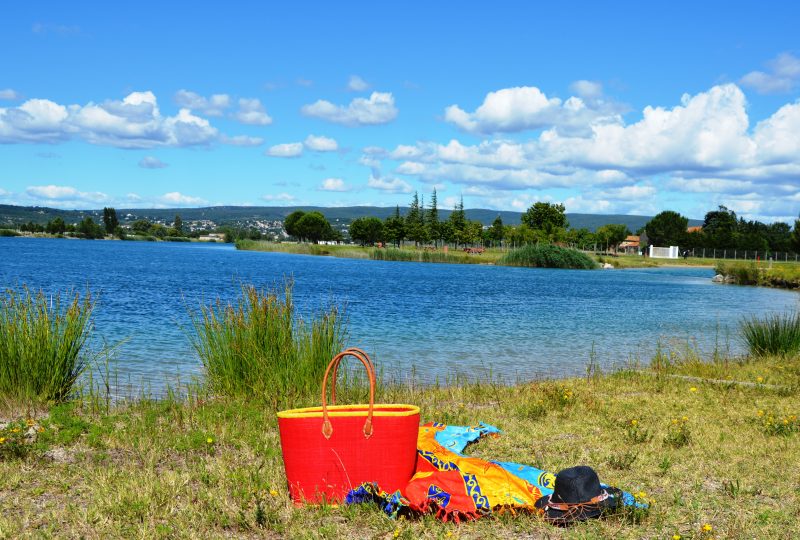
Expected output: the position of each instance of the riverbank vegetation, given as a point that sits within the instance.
(548, 256)
(785, 275)
(776, 335)
(42, 341)
(262, 347)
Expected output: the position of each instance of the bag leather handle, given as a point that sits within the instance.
(327, 427)
(359, 352)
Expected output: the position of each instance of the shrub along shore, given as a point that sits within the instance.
(713, 443)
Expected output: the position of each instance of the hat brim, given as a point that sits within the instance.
(565, 517)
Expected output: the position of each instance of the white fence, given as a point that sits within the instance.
(670, 252)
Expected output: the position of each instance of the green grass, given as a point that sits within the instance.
(42, 345)
(776, 334)
(769, 274)
(548, 256)
(261, 348)
(704, 452)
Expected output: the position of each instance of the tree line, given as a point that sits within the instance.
(722, 229)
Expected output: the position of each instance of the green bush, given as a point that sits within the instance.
(547, 256)
(176, 239)
(777, 334)
(261, 348)
(41, 345)
(8, 232)
(742, 273)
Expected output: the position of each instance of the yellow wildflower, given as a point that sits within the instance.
(449, 534)
(210, 440)
(634, 422)
(41, 429)
(29, 422)
(707, 528)
(693, 389)
(685, 418)
(760, 412)
(760, 379)
(2, 440)
(396, 533)
(676, 537)
(273, 493)
(15, 430)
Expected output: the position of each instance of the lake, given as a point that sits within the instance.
(433, 319)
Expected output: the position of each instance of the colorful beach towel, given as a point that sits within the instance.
(456, 487)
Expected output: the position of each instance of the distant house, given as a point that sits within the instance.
(630, 246)
(697, 229)
(213, 237)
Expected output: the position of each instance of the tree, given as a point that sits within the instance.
(415, 224)
(290, 223)
(110, 220)
(547, 217)
(395, 228)
(667, 229)
(314, 227)
(432, 220)
(457, 223)
(178, 225)
(367, 230)
(795, 240)
(141, 226)
(719, 227)
(89, 229)
(496, 231)
(612, 234)
(56, 226)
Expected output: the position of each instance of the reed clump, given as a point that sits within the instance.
(548, 256)
(42, 345)
(261, 348)
(777, 334)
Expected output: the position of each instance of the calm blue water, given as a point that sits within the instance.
(437, 319)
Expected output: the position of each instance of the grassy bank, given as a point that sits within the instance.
(784, 275)
(716, 453)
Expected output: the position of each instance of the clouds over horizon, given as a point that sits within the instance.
(69, 197)
(705, 144)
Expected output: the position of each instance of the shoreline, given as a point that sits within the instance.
(184, 467)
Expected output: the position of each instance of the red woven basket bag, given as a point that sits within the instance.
(329, 450)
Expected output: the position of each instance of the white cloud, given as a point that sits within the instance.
(241, 140)
(390, 185)
(151, 162)
(64, 194)
(588, 90)
(321, 143)
(378, 109)
(528, 108)
(783, 75)
(279, 197)
(212, 106)
(304, 82)
(134, 122)
(357, 84)
(252, 112)
(334, 184)
(286, 150)
(175, 198)
(10, 95)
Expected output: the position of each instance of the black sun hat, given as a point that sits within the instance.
(578, 496)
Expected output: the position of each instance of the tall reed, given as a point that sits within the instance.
(547, 256)
(42, 343)
(777, 334)
(261, 348)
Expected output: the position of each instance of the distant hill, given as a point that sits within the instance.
(244, 215)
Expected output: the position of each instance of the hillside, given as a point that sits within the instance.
(244, 215)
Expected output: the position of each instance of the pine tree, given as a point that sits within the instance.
(110, 220)
(434, 228)
(178, 225)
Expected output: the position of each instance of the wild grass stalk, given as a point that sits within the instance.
(548, 256)
(777, 334)
(42, 343)
(261, 348)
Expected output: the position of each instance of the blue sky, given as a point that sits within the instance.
(629, 108)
